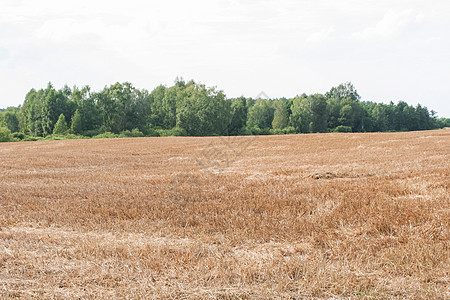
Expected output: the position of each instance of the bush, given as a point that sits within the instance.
(61, 126)
(29, 138)
(92, 132)
(136, 133)
(443, 123)
(151, 132)
(286, 130)
(245, 131)
(5, 135)
(133, 133)
(55, 137)
(72, 136)
(289, 130)
(67, 136)
(106, 135)
(258, 131)
(176, 131)
(125, 133)
(276, 131)
(163, 132)
(342, 128)
(18, 135)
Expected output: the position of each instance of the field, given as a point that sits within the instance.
(297, 216)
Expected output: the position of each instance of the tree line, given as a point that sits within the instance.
(192, 109)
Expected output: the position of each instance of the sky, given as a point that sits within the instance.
(390, 50)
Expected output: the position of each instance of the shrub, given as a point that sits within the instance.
(442, 123)
(18, 135)
(255, 130)
(55, 137)
(76, 126)
(61, 126)
(258, 131)
(163, 132)
(5, 135)
(276, 131)
(176, 131)
(106, 135)
(125, 133)
(245, 131)
(151, 131)
(92, 132)
(342, 128)
(286, 130)
(289, 130)
(136, 133)
(72, 136)
(29, 138)
(133, 133)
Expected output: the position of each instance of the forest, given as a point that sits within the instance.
(189, 108)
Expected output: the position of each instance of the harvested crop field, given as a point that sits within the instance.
(296, 216)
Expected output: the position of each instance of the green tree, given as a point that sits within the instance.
(301, 114)
(411, 118)
(5, 134)
(442, 122)
(334, 112)
(10, 118)
(61, 126)
(400, 121)
(425, 121)
(239, 116)
(260, 115)
(121, 97)
(350, 114)
(142, 110)
(31, 113)
(367, 121)
(76, 126)
(172, 96)
(156, 114)
(123, 107)
(280, 118)
(344, 90)
(54, 104)
(203, 111)
(319, 114)
(164, 105)
(193, 109)
(379, 118)
(91, 116)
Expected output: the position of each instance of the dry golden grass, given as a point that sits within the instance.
(303, 216)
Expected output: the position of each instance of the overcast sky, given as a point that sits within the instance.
(389, 49)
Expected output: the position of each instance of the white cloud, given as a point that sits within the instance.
(283, 47)
(320, 36)
(392, 24)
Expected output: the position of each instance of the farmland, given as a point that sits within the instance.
(299, 216)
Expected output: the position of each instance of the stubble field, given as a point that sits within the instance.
(300, 216)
